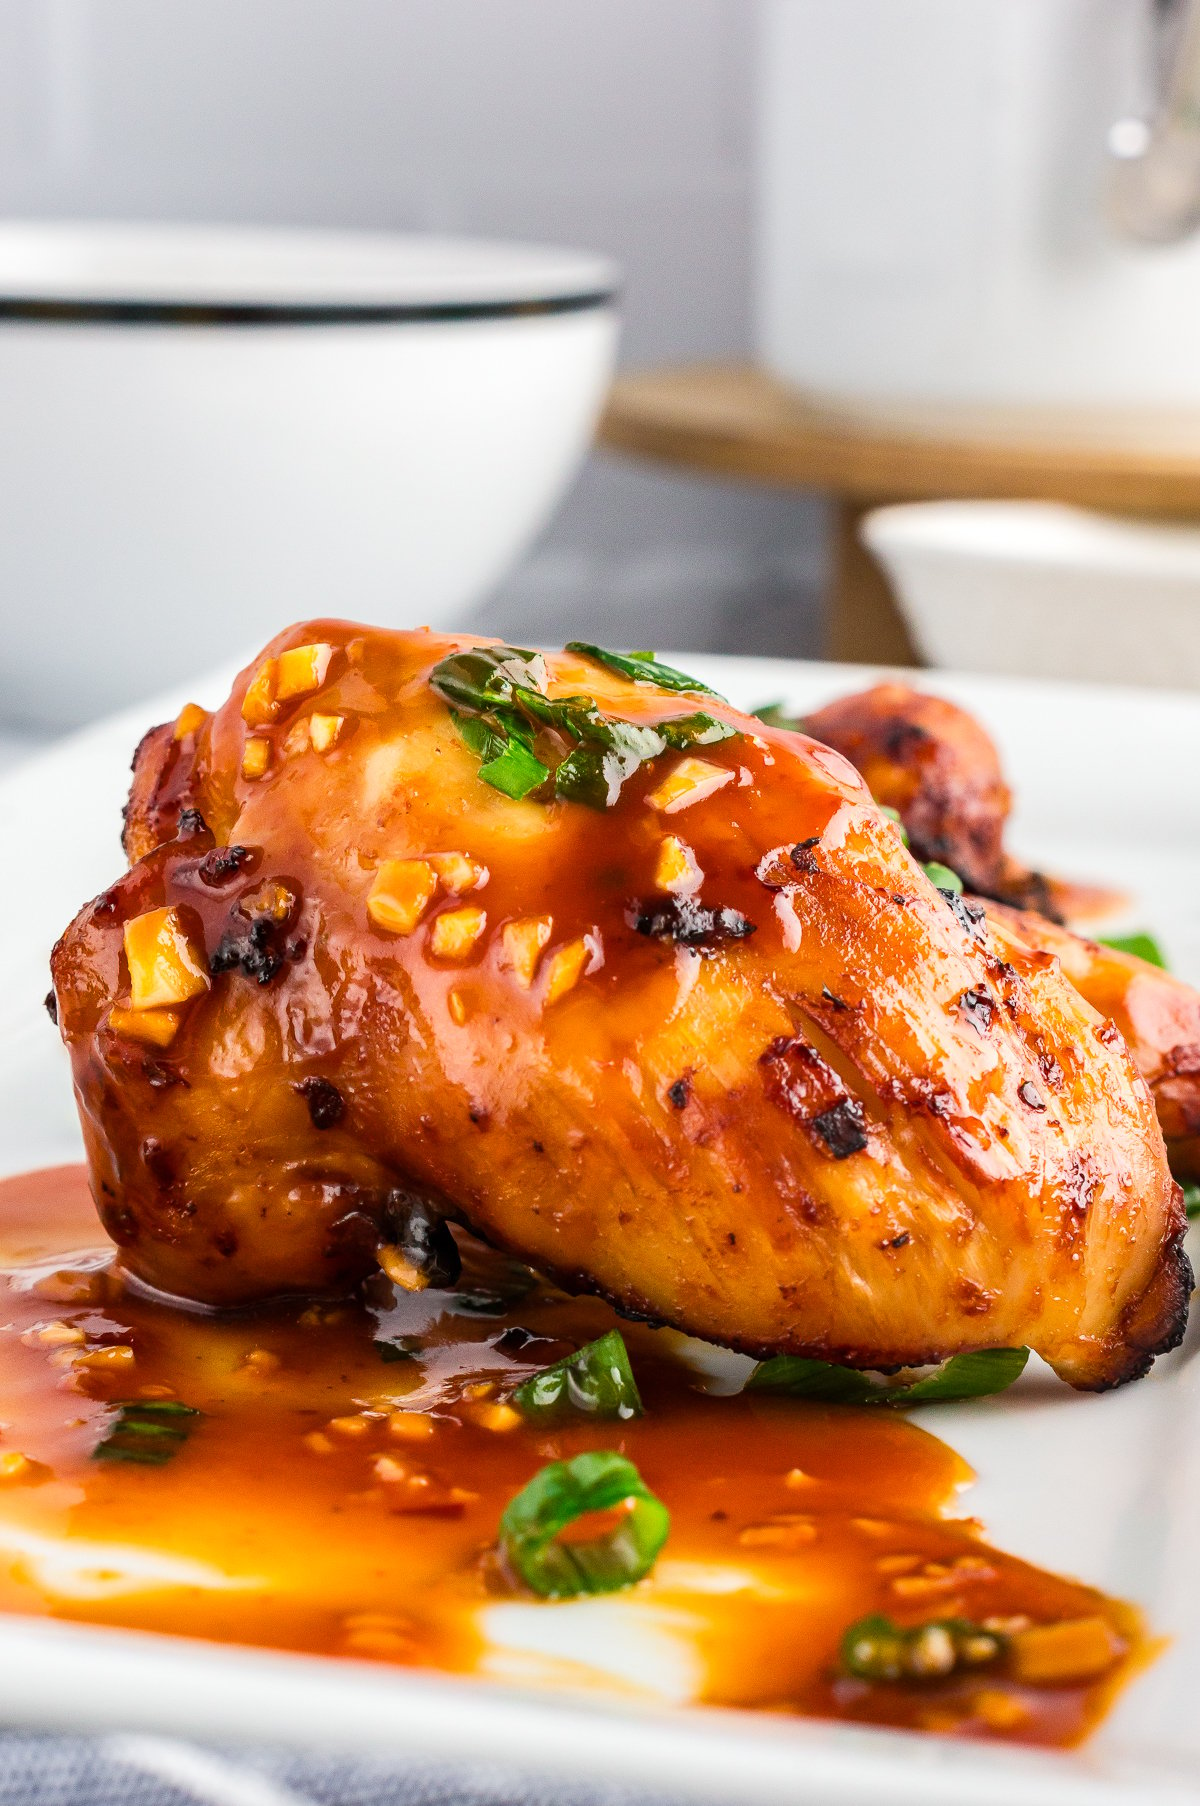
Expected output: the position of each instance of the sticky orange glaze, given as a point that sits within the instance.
(333, 1501)
(870, 1130)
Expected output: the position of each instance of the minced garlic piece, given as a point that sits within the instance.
(676, 870)
(400, 1270)
(456, 1003)
(325, 731)
(55, 1335)
(459, 872)
(164, 966)
(897, 1564)
(1075, 1650)
(357, 1425)
(302, 670)
(1000, 1711)
(411, 1426)
(321, 1316)
(690, 782)
(456, 931)
(785, 1532)
(190, 717)
(565, 969)
(117, 1359)
(158, 1028)
(490, 1414)
(256, 757)
(71, 1286)
(523, 941)
(296, 740)
(271, 899)
(259, 704)
(401, 893)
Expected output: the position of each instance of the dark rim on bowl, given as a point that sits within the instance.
(309, 313)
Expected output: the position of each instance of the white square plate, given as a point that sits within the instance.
(1104, 1488)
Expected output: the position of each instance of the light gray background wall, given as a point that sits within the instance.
(622, 125)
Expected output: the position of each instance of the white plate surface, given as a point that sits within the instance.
(1107, 1488)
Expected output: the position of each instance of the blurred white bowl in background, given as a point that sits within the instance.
(1037, 589)
(208, 432)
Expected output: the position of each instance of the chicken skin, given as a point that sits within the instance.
(1158, 1015)
(936, 766)
(933, 763)
(641, 990)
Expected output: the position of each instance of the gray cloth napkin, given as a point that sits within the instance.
(158, 1771)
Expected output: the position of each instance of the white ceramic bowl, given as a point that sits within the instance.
(933, 247)
(207, 432)
(1039, 590)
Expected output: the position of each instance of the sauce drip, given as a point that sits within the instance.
(341, 1494)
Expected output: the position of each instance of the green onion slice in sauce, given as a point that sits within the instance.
(876, 1649)
(590, 1525)
(964, 1376)
(597, 1381)
(147, 1431)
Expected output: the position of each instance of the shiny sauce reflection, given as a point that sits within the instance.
(341, 1493)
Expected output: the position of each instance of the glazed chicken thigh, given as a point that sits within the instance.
(935, 765)
(940, 770)
(639, 989)
(1158, 1015)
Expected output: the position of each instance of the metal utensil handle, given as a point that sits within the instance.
(1154, 185)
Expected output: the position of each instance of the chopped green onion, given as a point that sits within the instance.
(482, 677)
(1191, 1199)
(975, 1375)
(978, 1375)
(608, 753)
(404, 1348)
(894, 815)
(509, 762)
(147, 1431)
(682, 731)
(478, 735)
(876, 1649)
(942, 878)
(632, 1529)
(640, 667)
(498, 702)
(596, 1381)
(515, 770)
(774, 714)
(821, 1381)
(1143, 945)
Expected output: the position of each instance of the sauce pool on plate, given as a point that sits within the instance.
(332, 1478)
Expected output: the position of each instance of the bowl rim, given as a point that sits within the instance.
(1015, 536)
(137, 271)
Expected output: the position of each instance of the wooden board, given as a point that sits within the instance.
(732, 420)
